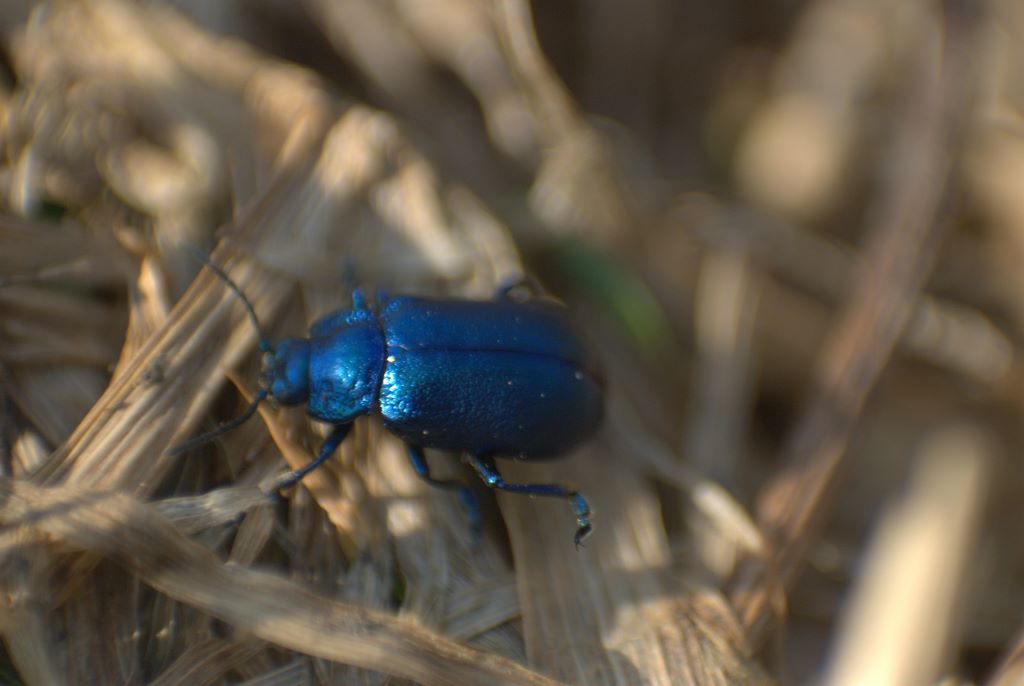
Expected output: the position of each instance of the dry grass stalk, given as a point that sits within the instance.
(899, 625)
(263, 604)
(131, 136)
(903, 245)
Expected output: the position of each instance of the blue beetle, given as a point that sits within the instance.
(499, 378)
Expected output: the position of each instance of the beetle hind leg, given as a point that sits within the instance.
(466, 495)
(488, 471)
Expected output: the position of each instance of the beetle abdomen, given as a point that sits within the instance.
(501, 403)
(489, 377)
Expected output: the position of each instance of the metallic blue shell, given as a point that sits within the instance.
(346, 363)
(499, 378)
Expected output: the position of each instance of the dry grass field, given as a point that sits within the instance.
(791, 231)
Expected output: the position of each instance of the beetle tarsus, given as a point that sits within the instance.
(488, 471)
(581, 508)
(581, 535)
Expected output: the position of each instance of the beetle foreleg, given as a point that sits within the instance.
(466, 495)
(488, 471)
(331, 443)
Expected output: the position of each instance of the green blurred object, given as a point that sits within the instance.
(617, 291)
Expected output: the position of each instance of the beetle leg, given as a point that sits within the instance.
(358, 299)
(331, 443)
(488, 471)
(466, 495)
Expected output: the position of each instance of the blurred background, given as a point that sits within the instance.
(791, 231)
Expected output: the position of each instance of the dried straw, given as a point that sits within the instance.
(751, 210)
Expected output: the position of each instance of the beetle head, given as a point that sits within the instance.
(285, 372)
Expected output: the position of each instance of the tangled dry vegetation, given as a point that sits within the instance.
(791, 231)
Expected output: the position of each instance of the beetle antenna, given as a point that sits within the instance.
(264, 346)
(250, 310)
(202, 439)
